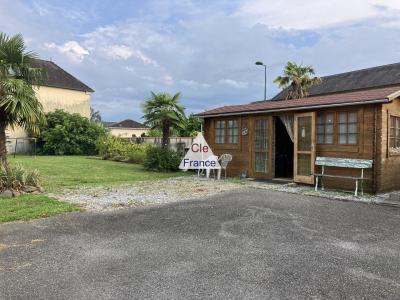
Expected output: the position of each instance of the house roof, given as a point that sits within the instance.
(58, 77)
(378, 95)
(375, 77)
(128, 123)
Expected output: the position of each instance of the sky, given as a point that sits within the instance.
(205, 49)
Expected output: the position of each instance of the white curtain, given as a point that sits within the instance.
(288, 120)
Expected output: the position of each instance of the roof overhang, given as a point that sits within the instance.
(308, 107)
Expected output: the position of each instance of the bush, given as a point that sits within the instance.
(114, 148)
(16, 177)
(162, 159)
(66, 134)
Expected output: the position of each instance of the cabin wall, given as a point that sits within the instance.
(364, 149)
(388, 171)
(243, 153)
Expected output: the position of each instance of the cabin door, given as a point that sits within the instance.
(304, 147)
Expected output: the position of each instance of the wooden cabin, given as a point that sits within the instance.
(349, 115)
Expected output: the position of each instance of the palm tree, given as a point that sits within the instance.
(19, 105)
(163, 111)
(298, 79)
(95, 115)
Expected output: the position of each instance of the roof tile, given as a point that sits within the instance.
(353, 97)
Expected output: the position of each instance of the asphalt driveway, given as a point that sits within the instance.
(245, 244)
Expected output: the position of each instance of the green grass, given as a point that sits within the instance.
(28, 207)
(60, 172)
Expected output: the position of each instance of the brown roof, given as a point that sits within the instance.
(128, 123)
(58, 77)
(337, 99)
(371, 78)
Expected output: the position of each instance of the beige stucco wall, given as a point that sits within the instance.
(56, 98)
(69, 100)
(128, 132)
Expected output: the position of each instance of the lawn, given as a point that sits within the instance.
(60, 172)
(28, 207)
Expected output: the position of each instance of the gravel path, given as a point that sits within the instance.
(185, 188)
(147, 192)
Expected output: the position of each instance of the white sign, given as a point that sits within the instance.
(199, 156)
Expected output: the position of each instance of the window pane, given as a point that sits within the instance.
(394, 133)
(343, 128)
(304, 164)
(329, 118)
(320, 129)
(352, 139)
(304, 133)
(261, 146)
(220, 132)
(320, 119)
(320, 138)
(352, 117)
(329, 129)
(392, 142)
(352, 128)
(343, 117)
(233, 131)
(329, 139)
(343, 139)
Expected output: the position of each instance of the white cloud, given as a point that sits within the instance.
(234, 83)
(119, 52)
(71, 49)
(312, 14)
(193, 83)
(168, 80)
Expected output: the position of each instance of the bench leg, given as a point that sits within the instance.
(362, 187)
(316, 183)
(356, 191)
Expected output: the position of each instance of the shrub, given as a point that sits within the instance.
(114, 148)
(16, 177)
(66, 134)
(162, 159)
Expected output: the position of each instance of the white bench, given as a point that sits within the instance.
(342, 163)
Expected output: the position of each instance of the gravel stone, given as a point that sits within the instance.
(185, 188)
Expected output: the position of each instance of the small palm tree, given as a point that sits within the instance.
(298, 79)
(162, 111)
(19, 105)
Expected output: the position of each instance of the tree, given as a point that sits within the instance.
(95, 115)
(19, 105)
(192, 126)
(68, 134)
(163, 111)
(298, 79)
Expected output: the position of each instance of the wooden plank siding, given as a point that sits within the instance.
(388, 166)
(243, 153)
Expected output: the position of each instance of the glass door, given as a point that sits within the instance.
(261, 147)
(304, 147)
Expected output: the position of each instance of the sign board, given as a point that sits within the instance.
(199, 156)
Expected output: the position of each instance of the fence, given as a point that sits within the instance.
(24, 145)
(179, 143)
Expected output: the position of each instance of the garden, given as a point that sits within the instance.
(73, 151)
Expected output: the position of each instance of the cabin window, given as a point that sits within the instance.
(325, 128)
(233, 131)
(227, 131)
(394, 132)
(348, 128)
(220, 132)
(261, 146)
